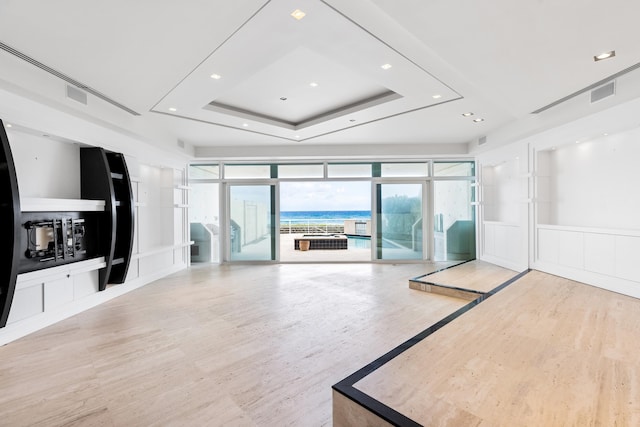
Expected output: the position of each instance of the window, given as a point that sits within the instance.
(247, 171)
(301, 171)
(349, 170)
(454, 169)
(399, 170)
(211, 171)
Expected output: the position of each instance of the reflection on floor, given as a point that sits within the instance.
(544, 351)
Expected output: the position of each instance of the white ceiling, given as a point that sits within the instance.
(499, 59)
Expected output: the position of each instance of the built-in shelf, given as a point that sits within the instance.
(501, 223)
(61, 205)
(161, 249)
(27, 279)
(594, 230)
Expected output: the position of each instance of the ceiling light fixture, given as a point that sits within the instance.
(313, 84)
(216, 76)
(577, 142)
(437, 96)
(173, 109)
(478, 120)
(298, 14)
(246, 125)
(467, 114)
(352, 120)
(386, 66)
(8, 125)
(297, 136)
(604, 55)
(283, 98)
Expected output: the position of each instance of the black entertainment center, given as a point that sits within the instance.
(40, 240)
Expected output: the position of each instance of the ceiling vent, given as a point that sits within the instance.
(482, 140)
(66, 78)
(77, 95)
(603, 92)
(595, 87)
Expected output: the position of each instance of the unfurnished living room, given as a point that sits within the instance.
(316, 213)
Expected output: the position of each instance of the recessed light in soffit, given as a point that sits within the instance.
(351, 81)
(298, 14)
(604, 55)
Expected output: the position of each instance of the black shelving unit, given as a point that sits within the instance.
(104, 176)
(10, 214)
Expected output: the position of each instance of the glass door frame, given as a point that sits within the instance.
(225, 208)
(427, 214)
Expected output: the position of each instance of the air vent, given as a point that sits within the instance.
(66, 78)
(77, 95)
(482, 140)
(603, 92)
(180, 143)
(596, 85)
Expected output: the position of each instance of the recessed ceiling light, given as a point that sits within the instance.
(246, 125)
(478, 120)
(297, 136)
(298, 14)
(283, 98)
(313, 84)
(605, 134)
(437, 96)
(352, 120)
(173, 109)
(8, 125)
(386, 66)
(604, 55)
(467, 114)
(553, 148)
(216, 76)
(577, 142)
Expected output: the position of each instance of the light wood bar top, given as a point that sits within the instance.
(545, 351)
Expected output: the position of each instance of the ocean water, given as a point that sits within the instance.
(322, 217)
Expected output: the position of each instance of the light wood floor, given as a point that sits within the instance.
(230, 345)
(545, 351)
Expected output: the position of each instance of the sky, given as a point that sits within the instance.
(325, 196)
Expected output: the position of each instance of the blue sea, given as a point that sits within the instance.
(323, 217)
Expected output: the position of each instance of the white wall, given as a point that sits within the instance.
(574, 205)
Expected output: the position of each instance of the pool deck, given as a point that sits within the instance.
(288, 253)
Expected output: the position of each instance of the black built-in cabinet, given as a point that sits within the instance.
(104, 176)
(10, 216)
(69, 236)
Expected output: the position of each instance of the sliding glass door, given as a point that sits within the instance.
(251, 223)
(399, 221)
